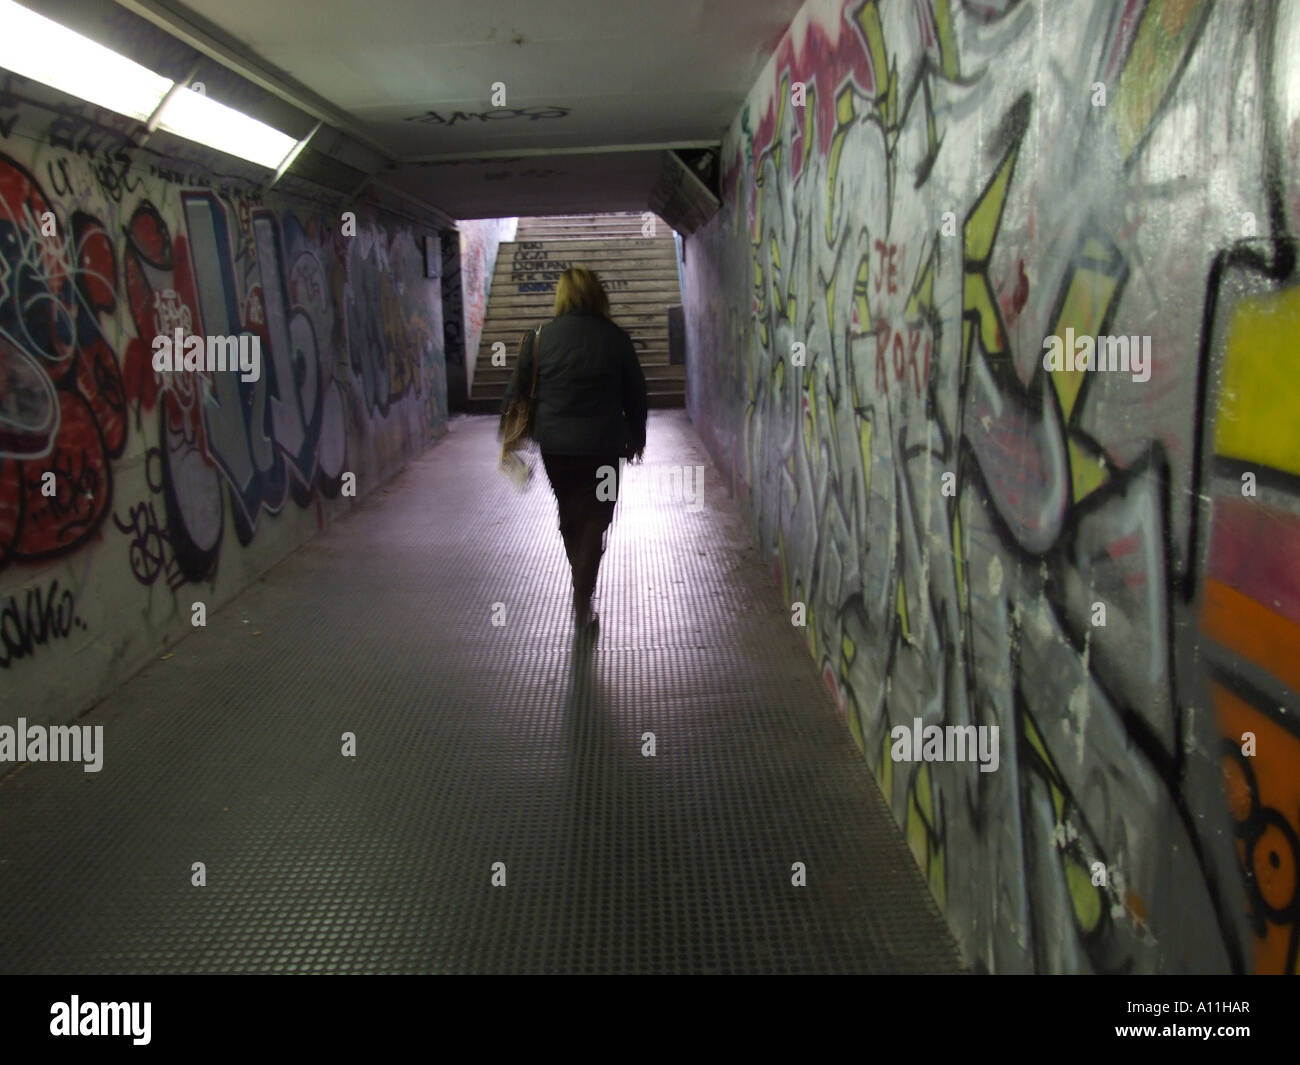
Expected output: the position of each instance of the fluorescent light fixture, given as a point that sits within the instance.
(192, 115)
(40, 49)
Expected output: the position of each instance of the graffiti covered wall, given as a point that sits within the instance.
(168, 489)
(1105, 565)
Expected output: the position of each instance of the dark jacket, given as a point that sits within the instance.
(591, 393)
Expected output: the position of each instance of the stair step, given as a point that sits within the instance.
(648, 346)
(628, 229)
(660, 373)
(512, 330)
(506, 272)
(621, 303)
(610, 246)
(615, 264)
(523, 317)
(617, 220)
(550, 270)
(662, 230)
(496, 387)
(620, 307)
(644, 340)
(626, 223)
(606, 259)
(629, 295)
(645, 352)
(647, 365)
(520, 319)
(491, 404)
(561, 238)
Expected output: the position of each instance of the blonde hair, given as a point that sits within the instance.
(579, 289)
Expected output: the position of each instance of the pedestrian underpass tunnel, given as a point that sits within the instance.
(950, 620)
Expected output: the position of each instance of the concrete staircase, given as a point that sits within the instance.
(640, 274)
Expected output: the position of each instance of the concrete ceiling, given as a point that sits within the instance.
(593, 88)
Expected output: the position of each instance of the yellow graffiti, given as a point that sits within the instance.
(1091, 287)
(1087, 300)
(947, 38)
(1084, 896)
(809, 123)
(922, 837)
(1087, 471)
(864, 445)
(860, 293)
(1163, 39)
(900, 607)
(873, 32)
(830, 293)
(855, 724)
(810, 419)
(921, 298)
(978, 234)
(833, 437)
(885, 769)
(1260, 393)
(959, 561)
(1086, 899)
(844, 114)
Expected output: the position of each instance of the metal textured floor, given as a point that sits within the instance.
(476, 744)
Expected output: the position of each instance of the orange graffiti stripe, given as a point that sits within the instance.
(1252, 630)
(1269, 862)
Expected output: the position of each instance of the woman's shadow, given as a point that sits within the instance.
(587, 705)
(603, 799)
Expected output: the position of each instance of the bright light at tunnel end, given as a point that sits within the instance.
(39, 48)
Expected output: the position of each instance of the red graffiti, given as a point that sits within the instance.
(63, 410)
(161, 294)
(906, 354)
(1014, 302)
(887, 271)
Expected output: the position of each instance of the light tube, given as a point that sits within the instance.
(192, 115)
(41, 49)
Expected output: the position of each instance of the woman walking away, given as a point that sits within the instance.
(589, 412)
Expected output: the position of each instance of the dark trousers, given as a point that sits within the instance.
(583, 517)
